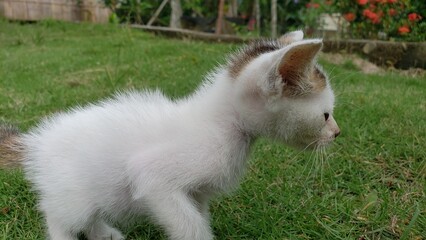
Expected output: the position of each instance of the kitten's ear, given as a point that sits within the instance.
(296, 66)
(291, 37)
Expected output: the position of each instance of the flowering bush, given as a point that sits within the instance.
(375, 19)
(389, 19)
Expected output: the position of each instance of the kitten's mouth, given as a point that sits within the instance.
(316, 144)
(324, 142)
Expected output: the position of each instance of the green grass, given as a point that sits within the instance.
(370, 185)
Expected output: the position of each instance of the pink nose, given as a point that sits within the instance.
(337, 134)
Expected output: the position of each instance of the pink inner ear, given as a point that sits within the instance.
(297, 61)
(294, 68)
(291, 77)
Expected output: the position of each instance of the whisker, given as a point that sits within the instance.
(301, 151)
(323, 161)
(330, 156)
(321, 164)
(313, 170)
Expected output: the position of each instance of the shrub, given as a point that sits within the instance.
(372, 19)
(387, 19)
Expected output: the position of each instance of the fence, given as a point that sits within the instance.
(67, 10)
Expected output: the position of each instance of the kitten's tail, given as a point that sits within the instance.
(10, 146)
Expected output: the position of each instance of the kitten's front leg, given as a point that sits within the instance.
(202, 200)
(178, 214)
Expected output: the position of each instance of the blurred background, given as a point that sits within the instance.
(394, 20)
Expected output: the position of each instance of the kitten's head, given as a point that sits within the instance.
(283, 93)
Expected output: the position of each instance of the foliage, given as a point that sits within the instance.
(140, 11)
(373, 19)
(288, 14)
(136, 11)
(201, 8)
(401, 19)
(377, 19)
(310, 14)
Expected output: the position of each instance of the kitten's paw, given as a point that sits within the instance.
(102, 231)
(107, 236)
(110, 236)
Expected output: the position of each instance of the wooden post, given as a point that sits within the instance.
(138, 18)
(257, 9)
(274, 18)
(176, 14)
(154, 17)
(232, 9)
(219, 21)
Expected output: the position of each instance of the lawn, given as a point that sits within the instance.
(369, 185)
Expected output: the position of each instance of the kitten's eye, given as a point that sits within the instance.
(326, 115)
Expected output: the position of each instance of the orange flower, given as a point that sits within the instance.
(362, 2)
(414, 17)
(403, 30)
(392, 1)
(312, 5)
(392, 12)
(374, 17)
(366, 12)
(349, 16)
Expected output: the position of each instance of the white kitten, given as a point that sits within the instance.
(143, 154)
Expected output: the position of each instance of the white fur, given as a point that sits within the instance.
(143, 154)
(290, 37)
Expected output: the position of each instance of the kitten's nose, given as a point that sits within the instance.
(337, 134)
